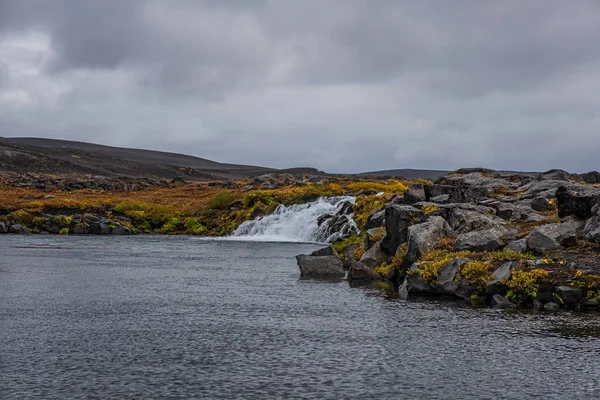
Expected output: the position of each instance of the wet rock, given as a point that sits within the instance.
(465, 290)
(446, 281)
(591, 303)
(422, 237)
(397, 220)
(541, 204)
(500, 302)
(99, 228)
(320, 266)
(3, 227)
(325, 251)
(538, 305)
(375, 256)
(120, 230)
(552, 306)
(82, 228)
(553, 236)
(569, 295)
(485, 240)
(360, 272)
(19, 229)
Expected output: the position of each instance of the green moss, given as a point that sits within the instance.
(64, 231)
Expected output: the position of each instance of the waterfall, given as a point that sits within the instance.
(322, 221)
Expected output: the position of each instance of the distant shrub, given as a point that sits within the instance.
(64, 231)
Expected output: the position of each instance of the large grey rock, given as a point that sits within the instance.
(500, 302)
(414, 194)
(553, 236)
(485, 240)
(541, 204)
(397, 220)
(569, 295)
(465, 290)
(320, 266)
(441, 199)
(415, 284)
(19, 229)
(376, 219)
(375, 256)
(360, 272)
(505, 210)
(591, 231)
(372, 236)
(578, 200)
(463, 221)
(424, 236)
(325, 251)
(3, 227)
(447, 277)
(517, 245)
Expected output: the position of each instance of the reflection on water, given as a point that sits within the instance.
(174, 317)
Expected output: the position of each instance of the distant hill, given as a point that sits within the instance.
(406, 173)
(63, 156)
(53, 156)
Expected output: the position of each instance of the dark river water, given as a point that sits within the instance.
(179, 317)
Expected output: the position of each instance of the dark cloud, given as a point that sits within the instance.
(343, 85)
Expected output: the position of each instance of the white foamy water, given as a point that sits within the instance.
(295, 223)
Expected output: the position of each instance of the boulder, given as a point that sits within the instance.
(577, 201)
(19, 229)
(569, 295)
(99, 228)
(446, 281)
(375, 256)
(424, 236)
(376, 219)
(441, 199)
(462, 220)
(81, 228)
(553, 236)
(325, 251)
(541, 204)
(591, 177)
(591, 231)
(505, 210)
(465, 290)
(372, 236)
(497, 284)
(485, 240)
(517, 245)
(320, 266)
(414, 194)
(360, 272)
(120, 230)
(500, 302)
(413, 283)
(3, 227)
(397, 220)
(349, 251)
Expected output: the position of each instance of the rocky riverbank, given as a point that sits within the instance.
(503, 239)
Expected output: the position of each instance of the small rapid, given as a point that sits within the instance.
(301, 223)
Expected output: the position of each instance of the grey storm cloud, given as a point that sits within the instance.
(342, 85)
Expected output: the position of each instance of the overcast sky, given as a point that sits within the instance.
(342, 85)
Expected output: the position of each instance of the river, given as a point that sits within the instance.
(180, 317)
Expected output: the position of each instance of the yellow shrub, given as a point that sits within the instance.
(390, 187)
(477, 273)
(383, 269)
(429, 208)
(358, 253)
(526, 282)
(509, 255)
(432, 261)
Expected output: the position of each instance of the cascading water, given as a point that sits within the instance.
(322, 221)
